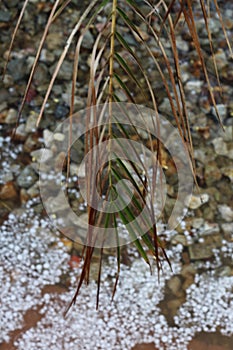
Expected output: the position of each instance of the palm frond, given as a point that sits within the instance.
(116, 66)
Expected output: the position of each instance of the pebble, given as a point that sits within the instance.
(31, 123)
(27, 178)
(196, 201)
(212, 173)
(220, 58)
(204, 250)
(88, 40)
(187, 271)
(53, 41)
(194, 86)
(175, 285)
(47, 56)
(65, 72)
(37, 154)
(11, 117)
(179, 239)
(59, 137)
(48, 137)
(226, 212)
(3, 106)
(8, 191)
(17, 69)
(20, 133)
(61, 111)
(227, 228)
(197, 223)
(220, 146)
(5, 16)
(222, 110)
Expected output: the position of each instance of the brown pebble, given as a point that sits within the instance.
(8, 191)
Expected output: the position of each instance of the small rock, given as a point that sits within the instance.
(188, 282)
(11, 117)
(181, 45)
(31, 143)
(5, 16)
(27, 178)
(174, 285)
(194, 86)
(34, 191)
(222, 110)
(179, 239)
(8, 191)
(59, 137)
(227, 228)
(220, 58)
(226, 212)
(24, 197)
(227, 135)
(188, 270)
(220, 146)
(210, 228)
(195, 201)
(20, 133)
(212, 173)
(65, 72)
(47, 56)
(37, 155)
(53, 41)
(48, 137)
(224, 271)
(17, 69)
(60, 161)
(204, 250)
(58, 203)
(197, 222)
(3, 106)
(77, 151)
(88, 40)
(31, 122)
(61, 111)
(41, 75)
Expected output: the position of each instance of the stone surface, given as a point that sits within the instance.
(196, 201)
(8, 191)
(226, 212)
(27, 177)
(204, 250)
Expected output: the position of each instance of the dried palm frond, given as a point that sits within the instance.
(115, 67)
